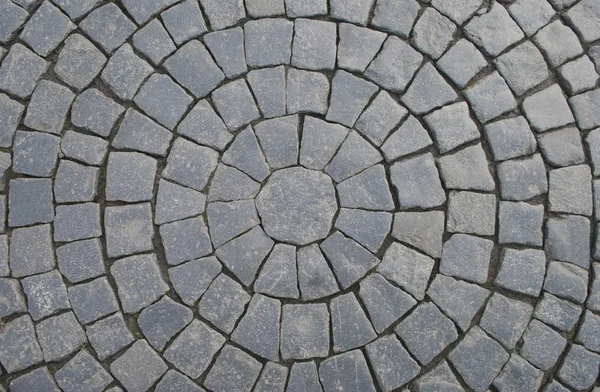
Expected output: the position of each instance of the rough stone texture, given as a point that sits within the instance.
(261, 319)
(46, 294)
(462, 62)
(139, 367)
(473, 267)
(79, 62)
(95, 112)
(348, 371)
(522, 271)
(568, 239)
(30, 202)
(83, 370)
(20, 71)
(394, 66)
(580, 368)
(559, 313)
(432, 33)
(392, 364)
(108, 26)
(261, 53)
(518, 374)
(523, 67)
(471, 213)
(407, 268)
(505, 319)
(542, 345)
(93, 300)
(125, 72)
(128, 229)
(483, 30)
(490, 97)
(417, 183)
(151, 98)
(522, 179)
(59, 336)
(223, 303)
(349, 96)
(233, 370)
(350, 326)
(109, 335)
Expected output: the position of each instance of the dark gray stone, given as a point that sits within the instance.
(194, 348)
(279, 277)
(46, 294)
(19, 348)
(162, 320)
(367, 190)
(154, 42)
(227, 47)
(275, 51)
(46, 29)
(391, 363)
(175, 202)
(84, 148)
(36, 380)
(303, 330)
(307, 92)
(368, 228)
(75, 182)
(278, 139)
(228, 220)
(190, 280)
(410, 137)
(511, 138)
(77, 222)
(223, 303)
(407, 268)
(522, 271)
(258, 330)
(139, 282)
(95, 112)
(139, 367)
(125, 72)
(204, 126)
(109, 335)
(395, 65)
(348, 372)
(234, 370)
(79, 62)
(60, 336)
(185, 240)
(35, 153)
(82, 374)
(48, 107)
(93, 300)
(128, 229)
(304, 378)
(557, 312)
(542, 346)
(315, 278)
(142, 12)
(81, 260)
(506, 319)
(10, 112)
(163, 100)
(235, 104)
(20, 71)
(519, 375)
(184, 21)
(520, 223)
(11, 20)
(350, 326)
(580, 368)
(357, 46)
(230, 184)
(13, 301)
(245, 154)
(320, 141)
(108, 26)
(138, 132)
(31, 251)
(268, 86)
(417, 183)
(190, 164)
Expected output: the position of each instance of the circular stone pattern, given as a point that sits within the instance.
(297, 205)
(299, 195)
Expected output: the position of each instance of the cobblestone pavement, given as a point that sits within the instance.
(299, 195)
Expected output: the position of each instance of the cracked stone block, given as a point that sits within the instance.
(273, 378)
(432, 33)
(223, 303)
(19, 348)
(228, 220)
(194, 348)
(522, 179)
(585, 17)
(75, 182)
(407, 268)
(520, 223)
(505, 319)
(246, 155)
(48, 107)
(228, 48)
(570, 190)
(315, 278)
(482, 30)
(397, 17)
(82, 373)
(459, 300)
(585, 108)
(394, 66)
(579, 75)
(307, 92)
(467, 169)
(455, 261)
(173, 381)
(14, 301)
(542, 346)
(139, 281)
(348, 371)
(558, 42)
(440, 378)
(20, 71)
(77, 222)
(194, 68)
(278, 276)
(130, 176)
(452, 126)
(523, 68)
(258, 330)
(275, 51)
(410, 137)
(222, 14)
(10, 115)
(81, 260)
(422, 230)
(154, 42)
(185, 240)
(11, 20)
(566, 281)
(462, 62)
(35, 153)
(128, 229)
(357, 46)
(235, 104)
(350, 326)
(95, 112)
(138, 132)
(93, 300)
(205, 127)
(563, 147)
(31, 251)
(36, 380)
(139, 367)
(79, 62)
(108, 26)
(478, 359)
(391, 363)
(354, 156)
(46, 294)
(60, 336)
(320, 142)
(314, 44)
(268, 86)
(279, 141)
(384, 302)
(557, 312)
(76, 9)
(426, 332)
(580, 368)
(417, 183)
(547, 109)
(302, 331)
(191, 280)
(588, 334)
(428, 91)
(109, 335)
(84, 148)
(490, 97)
(184, 21)
(125, 72)
(472, 213)
(531, 15)
(380, 117)
(518, 374)
(234, 370)
(163, 100)
(511, 138)
(522, 271)
(567, 239)
(46, 29)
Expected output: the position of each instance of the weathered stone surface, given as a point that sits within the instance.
(268, 86)
(367, 190)
(109, 335)
(163, 100)
(233, 370)
(46, 29)
(223, 303)
(31, 251)
(184, 21)
(125, 72)
(417, 183)
(246, 155)
(490, 97)
(128, 229)
(278, 139)
(523, 67)
(185, 240)
(522, 271)
(518, 374)
(95, 112)
(542, 345)
(567, 239)
(258, 330)
(357, 46)
(160, 321)
(222, 14)
(46, 294)
(472, 213)
(278, 276)
(432, 33)
(83, 373)
(462, 61)
(394, 66)
(302, 331)
(139, 367)
(154, 41)
(348, 371)
(138, 132)
(473, 267)
(397, 17)
(93, 300)
(272, 379)
(392, 364)
(558, 42)
(60, 336)
(315, 278)
(108, 26)
(506, 319)
(20, 71)
(522, 179)
(567, 281)
(79, 62)
(482, 29)
(304, 378)
(276, 51)
(190, 280)
(407, 268)
(580, 368)
(15, 357)
(428, 91)
(307, 91)
(557, 312)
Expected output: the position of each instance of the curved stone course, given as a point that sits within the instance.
(299, 195)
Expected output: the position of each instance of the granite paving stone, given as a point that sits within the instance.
(506, 319)
(235, 104)
(109, 335)
(306, 91)
(268, 87)
(348, 371)
(557, 312)
(14, 301)
(20, 71)
(482, 30)
(473, 267)
(83, 373)
(357, 46)
(512, 138)
(433, 33)
(75, 9)
(467, 170)
(584, 108)
(19, 348)
(520, 223)
(59, 336)
(30, 251)
(79, 62)
(162, 320)
(522, 271)
(223, 303)
(173, 381)
(428, 91)
(588, 332)
(258, 330)
(154, 41)
(125, 72)
(191, 280)
(234, 370)
(579, 75)
(567, 281)
(272, 378)
(518, 374)
(142, 12)
(417, 182)
(48, 107)
(490, 97)
(542, 346)
(350, 326)
(380, 117)
(279, 276)
(262, 8)
(562, 147)
(439, 378)
(568, 239)
(30, 201)
(315, 278)
(278, 139)
(75, 182)
(189, 164)
(246, 155)
(462, 62)
(531, 15)
(410, 137)
(278, 50)
(584, 18)
(140, 133)
(11, 112)
(184, 21)
(523, 67)
(354, 155)
(95, 112)
(185, 240)
(13, 17)
(227, 47)
(88, 149)
(46, 294)
(46, 29)
(471, 213)
(222, 14)
(397, 17)
(38, 379)
(580, 367)
(139, 367)
(391, 362)
(557, 54)
(452, 126)
(128, 229)
(314, 45)
(35, 153)
(93, 300)
(394, 66)
(304, 377)
(108, 26)
(522, 179)
(407, 268)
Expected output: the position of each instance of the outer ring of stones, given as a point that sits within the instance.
(456, 274)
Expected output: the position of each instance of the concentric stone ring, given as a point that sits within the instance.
(299, 195)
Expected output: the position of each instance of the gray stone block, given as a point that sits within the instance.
(108, 26)
(93, 300)
(542, 346)
(394, 66)
(46, 29)
(60, 336)
(490, 97)
(79, 62)
(348, 371)
(190, 280)
(185, 240)
(417, 183)
(139, 367)
(522, 179)
(20, 71)
(125, 72)
(184, 21)
(46, 294)
(82, 374)
(190, 164)
(557, 312)
(154, 42)
(223, 303)
(163, 100)
(522, 271)
(320, 142)
(228, 48)
(482, 30)
(84, 148)
(462, 61)
(391, 363)
(235, 104)
(75, 182)
(307, 92)
(506, 319)
(407, 268)
(245, 154)
(275, 51)
(48, 107)
(268, 86)
(31, 251)
(109, 335)
(95, 112)
(357, 46)
(120, 239)
(258, 330)
(175, 202)
(222, 14)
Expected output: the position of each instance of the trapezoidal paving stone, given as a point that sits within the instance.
(299, 195)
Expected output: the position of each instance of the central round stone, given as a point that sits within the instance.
(297, 205)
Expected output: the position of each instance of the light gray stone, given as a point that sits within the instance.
(191, 280)
(428, 91)
(397, 17)
(394, 66)
(567, 239)
(304, 378)
(320, 141)
(272, 379)
(175, 202)
(357, 46)
(522, 271)
(520, 223)
(39, 379)
(139, 367)
(462, 61)
(366, 190)
(163, 100)
(262, 8)
(31, 251)
(19, 348)
(368, 228)
(142, 12)
(457, 14)
(279, 277)
(531, 15)
(432, 33)
(579, 75)
(48, 107)
(522, 67)
(109, 335)
(314, 44)
(522, 179)
(511, 138)
(349, 96)
(95, 112)
(79, 62)
(205, 127)
(410, 137)
(46, 294)
(558, 42)
(557, 312)
(222, 14)
(566, 281)
(230, 184)
(580, 368)
(130, 177)
(452, 126)
(562, 147)
(422, 230)
(184, 21)
(482, 30)
(490, 97)
(75, 182)
(268, 86)
(547, 109)
(407, 268)
(228, 48)
(11, 20)
(519, 375)
(585, 108)
(350, 326)
(506, 319)
(584, 17)
(542, 346)
(467, 169)
(108, 26)
(125, 72)
(46, 29)
(472, 213)
(570, 190)
(378, 120)
(473, 267)
(154, 42)
(235, 104)
(275, 51)
(307, 92)
(10, 113)
(302, 331)
(20, 71)
(315, 277)
(417, 183)
(35, 153)
(84, 148)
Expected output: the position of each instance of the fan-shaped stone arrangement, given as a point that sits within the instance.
(299, 195)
